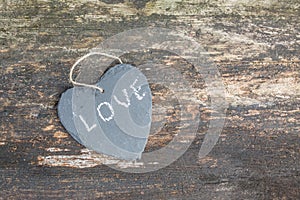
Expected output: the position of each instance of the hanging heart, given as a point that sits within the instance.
(116, 122)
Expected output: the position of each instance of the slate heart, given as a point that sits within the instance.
(116, 122)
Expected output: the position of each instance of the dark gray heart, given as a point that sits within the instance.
(116, 122)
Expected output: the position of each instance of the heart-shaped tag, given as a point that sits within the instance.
(116, 122)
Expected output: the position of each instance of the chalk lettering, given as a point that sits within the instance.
(106, 119)
(126, 105)
(89, 129)
(137, 90)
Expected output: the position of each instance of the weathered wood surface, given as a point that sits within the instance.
(256, 47)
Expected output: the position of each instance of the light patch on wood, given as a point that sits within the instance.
(49, 128)
(59, 134)
(2, 143)
(226, 43)
(53, 149)
(292, 120)
(253, 112)
(117, 11)
(206, 160)
(235, 100)
(87, 159)
(282, 87)
(4, 50)
(212, 162)
(224, 187)
(235, 118)
(239, 88)
(197, 7)
(9, 69)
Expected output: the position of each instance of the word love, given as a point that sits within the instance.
(126, 103)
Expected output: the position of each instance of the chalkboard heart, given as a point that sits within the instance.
(116, 122)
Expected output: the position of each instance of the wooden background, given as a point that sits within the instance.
(254, 44)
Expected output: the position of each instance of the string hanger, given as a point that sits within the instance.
(75, 83)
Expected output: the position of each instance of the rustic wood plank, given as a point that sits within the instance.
(256, 47)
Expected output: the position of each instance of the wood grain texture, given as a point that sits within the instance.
(255, 46)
